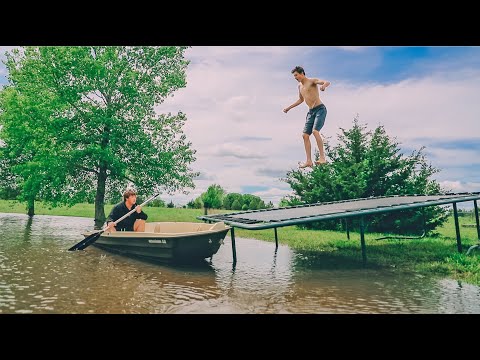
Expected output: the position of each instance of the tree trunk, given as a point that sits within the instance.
(31, 207)
(205, 211)
(102, 179)
(100, 198)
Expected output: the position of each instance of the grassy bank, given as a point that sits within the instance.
(433, 256)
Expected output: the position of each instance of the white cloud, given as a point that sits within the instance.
(353, 48)
(237, 151)
(209, 53)
(273, 194)
(279, 172)
(206, 175)
(237, 93)
(459, 186)
(453, 158)
(432, 107)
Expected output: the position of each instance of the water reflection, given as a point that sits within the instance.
(28, 229)
(39, 275)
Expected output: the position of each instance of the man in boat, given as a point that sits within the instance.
(308, 91)
(134, 222)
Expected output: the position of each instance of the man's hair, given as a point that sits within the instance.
(299, 70)
(128, 193)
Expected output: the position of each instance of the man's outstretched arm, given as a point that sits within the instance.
(323, 83)
(296, 103)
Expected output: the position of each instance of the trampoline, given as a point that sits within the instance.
(296, 215)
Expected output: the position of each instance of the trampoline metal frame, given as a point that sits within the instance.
(232, 219)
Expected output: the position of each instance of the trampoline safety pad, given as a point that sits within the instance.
(293, 215)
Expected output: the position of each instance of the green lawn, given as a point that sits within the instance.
(88, 210)
(434, 256)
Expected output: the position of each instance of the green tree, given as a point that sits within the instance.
(366, 164)
(80, 122)
(251, 201)
(237, 205)
(289, 200)
(230, 198)
(198, 203)
(9, 189)
(157, 203)
(253, 204)
(284, 201)
(213, 197)
(29, 156)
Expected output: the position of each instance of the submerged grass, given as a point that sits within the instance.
(432, 256)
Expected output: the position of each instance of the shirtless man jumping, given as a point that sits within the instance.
(308, 91)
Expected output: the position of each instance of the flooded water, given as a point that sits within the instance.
(39, 275)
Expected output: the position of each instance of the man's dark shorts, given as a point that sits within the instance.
(315, 119)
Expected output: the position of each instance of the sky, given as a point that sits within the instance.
(423, 96)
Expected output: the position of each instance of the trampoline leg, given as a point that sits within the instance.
(362, 240)
(457, 228)
(476, 219)
(478, 228)
(234, 250)
(346, 228)
(276, 238)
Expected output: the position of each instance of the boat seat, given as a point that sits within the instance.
(149, 227)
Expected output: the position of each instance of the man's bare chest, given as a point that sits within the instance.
(307, 89)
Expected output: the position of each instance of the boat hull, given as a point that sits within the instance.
(171, 246)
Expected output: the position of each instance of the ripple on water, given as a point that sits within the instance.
(39, 275)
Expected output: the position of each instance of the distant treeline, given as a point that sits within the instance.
(234, 201)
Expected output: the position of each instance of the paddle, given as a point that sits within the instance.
(90, 239)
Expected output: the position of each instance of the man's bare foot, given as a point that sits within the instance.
(304, 165)
(320, 162)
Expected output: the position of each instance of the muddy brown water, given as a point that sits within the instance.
(39, 275)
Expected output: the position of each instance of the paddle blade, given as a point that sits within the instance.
(86, 242)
